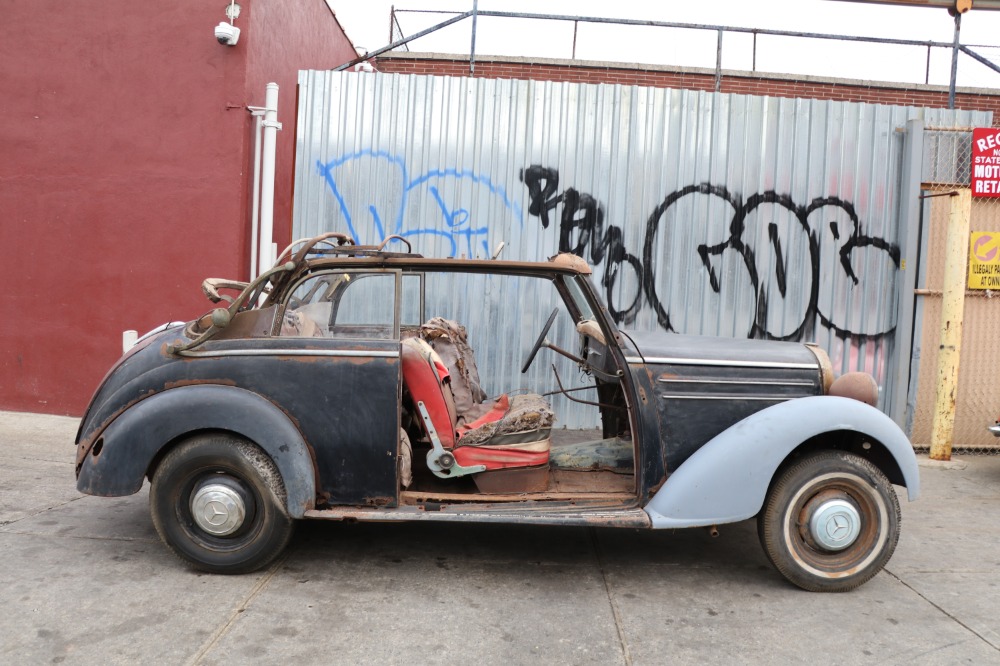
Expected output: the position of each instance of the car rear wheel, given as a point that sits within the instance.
(830, 522)
(218, 502)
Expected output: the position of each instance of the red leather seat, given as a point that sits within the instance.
(512, 434)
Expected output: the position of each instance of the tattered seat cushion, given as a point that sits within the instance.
(515, 432)
(449, 340)
(507, 433)
(427, 380)
(529, 454)
(510, 420)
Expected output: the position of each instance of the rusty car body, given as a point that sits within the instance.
(342, 384)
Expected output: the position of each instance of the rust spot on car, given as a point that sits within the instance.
(656, 487)
(609, 520)
(197, 382)
(87, 442)
(167, 345)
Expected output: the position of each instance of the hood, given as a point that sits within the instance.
(704, 385)
(661, 348)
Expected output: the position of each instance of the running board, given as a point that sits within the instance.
(594, 518)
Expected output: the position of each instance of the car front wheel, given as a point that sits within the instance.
(218, 502)
(830, 522)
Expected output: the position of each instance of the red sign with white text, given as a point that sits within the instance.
(986, 162)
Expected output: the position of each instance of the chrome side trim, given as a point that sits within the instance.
(652, 360)
(343, 353)
(763, 398)
(667, 380)
(158, 329)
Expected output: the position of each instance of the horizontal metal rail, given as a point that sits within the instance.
(400, 42)
(719, 29)
(712, 28)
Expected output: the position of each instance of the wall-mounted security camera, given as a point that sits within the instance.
(227, 33)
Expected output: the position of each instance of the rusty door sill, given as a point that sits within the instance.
(603, 517)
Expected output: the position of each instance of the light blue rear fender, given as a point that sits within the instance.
(726, 480)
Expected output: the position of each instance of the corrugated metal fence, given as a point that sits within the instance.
(701, 212)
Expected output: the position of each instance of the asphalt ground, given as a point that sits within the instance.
(85, 580)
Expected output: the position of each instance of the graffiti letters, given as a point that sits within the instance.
(792, 264)
(706, 258)
(583, 215)
(428, 204)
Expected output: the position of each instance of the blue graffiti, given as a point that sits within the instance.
(394, 212)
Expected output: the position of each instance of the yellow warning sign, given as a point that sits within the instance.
(984, 260)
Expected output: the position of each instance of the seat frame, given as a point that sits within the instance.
(427, 381)
(441, 462)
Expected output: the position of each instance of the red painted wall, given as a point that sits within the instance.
(124, 172)
(284, 42)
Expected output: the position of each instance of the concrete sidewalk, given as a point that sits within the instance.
(87, 581)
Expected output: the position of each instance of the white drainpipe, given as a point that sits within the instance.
(268, 250)
(258, 115)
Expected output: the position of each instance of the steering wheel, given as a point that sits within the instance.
(539, 342)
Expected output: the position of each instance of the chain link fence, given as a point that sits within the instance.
(395, 30)
(947, 167)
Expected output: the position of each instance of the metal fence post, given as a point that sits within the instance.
(952, 313)
(472, 48)
(954, 62)
(909, 240)
(718, 63)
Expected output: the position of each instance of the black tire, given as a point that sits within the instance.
(243, 470)
(799, 526)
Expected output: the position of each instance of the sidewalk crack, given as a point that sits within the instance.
(223, 629)
(944, 612)
(5, 523)
(612, 601)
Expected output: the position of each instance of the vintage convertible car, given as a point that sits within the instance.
(354, 383)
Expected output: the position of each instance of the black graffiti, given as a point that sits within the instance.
(584, 215)
(582, 227)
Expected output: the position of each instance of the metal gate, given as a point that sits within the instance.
(701, 213)
(947, 167)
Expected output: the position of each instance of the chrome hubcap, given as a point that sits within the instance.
(835, 524)
(218, 509)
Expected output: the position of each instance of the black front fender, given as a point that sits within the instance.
(120, 458)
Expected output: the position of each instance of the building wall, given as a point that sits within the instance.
(124, 175)
(280, 43)
(747, 83)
